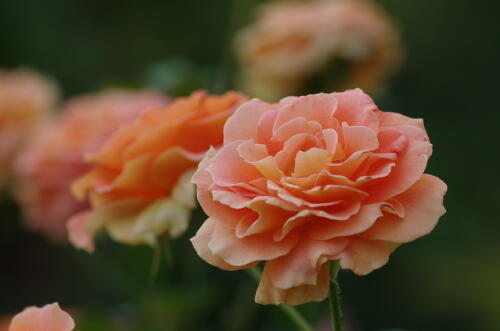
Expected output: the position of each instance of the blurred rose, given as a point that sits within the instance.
(5, 322)
(47, 318)
(26, 98)
(140, 187)
(323, 45)
(313, 179)
(54, 157)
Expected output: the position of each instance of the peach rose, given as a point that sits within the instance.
(47, 318)
(140, 187)
(313, 179)
(26, 98)
(54, 157)
(300, 46)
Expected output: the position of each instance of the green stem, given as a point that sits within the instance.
(155, 262)
(334, 298)
(161, 249)
(291, 312)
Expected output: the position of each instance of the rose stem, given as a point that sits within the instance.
(155, 262)
(161, 248)
(334, 298)
(291, 312)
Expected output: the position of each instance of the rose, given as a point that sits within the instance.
(49, 317)
(299, 46)
(54, 158)
(313, 179)
(139, 188)
(26, 99)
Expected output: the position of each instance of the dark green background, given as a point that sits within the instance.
(449, 280)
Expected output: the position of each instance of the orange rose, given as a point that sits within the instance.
(300, 46)
(140, 187)
(47, 318)
(54, 157)
(26, 98)
(313, 179)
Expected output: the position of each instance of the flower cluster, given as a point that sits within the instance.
(54, 158)
(140, 185)
(300, 186)
(313, 179)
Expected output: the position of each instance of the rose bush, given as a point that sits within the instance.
(313, 179)
(140, 185)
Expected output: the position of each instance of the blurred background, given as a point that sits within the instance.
(448, 280)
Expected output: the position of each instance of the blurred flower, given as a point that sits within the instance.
(323, 45)
(55, 156)
(140, 187)
(5, 322)
(26, 98)
(313, 179)
(47, 318)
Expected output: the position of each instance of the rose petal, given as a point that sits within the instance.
(77, 232)
(296, 126)
(423, 206)
(267, 294)
(265, 132)
(257, 155)
(311, 162)
(242, 251)
(302, 265)
(409, 167)
(322, 229)
(268, 217)
(49, 317)
(363, 256)
(388, 119)
(173, 162)
(135, 176)
(249, 114)
(334, 193)
(357, 108)
(228, 168)
(358, 138)
(200, 242)
(319, 108)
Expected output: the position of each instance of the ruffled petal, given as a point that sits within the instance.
(357, 108)
(302, 265)
(363, 256)
(200, 242)
(173, 162)
(388, 119)
(242, 251)
(423, 206)
(311, 162)
(243, 124)
(257, 155)
(358, 138)
(49, 317)
(323, 229)
(318, 108)
(77, 232)
(296, 126)
(267, 294)
(409, 166)
(228, 168)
